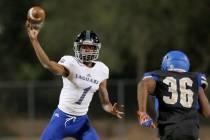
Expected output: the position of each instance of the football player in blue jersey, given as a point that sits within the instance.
(82, 76)
(179, 94)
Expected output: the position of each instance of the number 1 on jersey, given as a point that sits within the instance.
(85, 91)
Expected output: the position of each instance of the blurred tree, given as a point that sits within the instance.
(15, 61)
(155, 27)
(135, 34)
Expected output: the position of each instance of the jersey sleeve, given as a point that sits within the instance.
(66, 61)
(151, 75)
(202, 81)
(104, 71)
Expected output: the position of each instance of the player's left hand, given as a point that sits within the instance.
(32, 31)
(145, 120)
(114, 110)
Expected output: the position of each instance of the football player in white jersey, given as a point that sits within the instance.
(82, 76)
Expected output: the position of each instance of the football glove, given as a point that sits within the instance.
(145, 120)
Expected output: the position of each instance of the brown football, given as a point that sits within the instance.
(36, 15)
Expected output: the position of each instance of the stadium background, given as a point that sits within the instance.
(135, 34)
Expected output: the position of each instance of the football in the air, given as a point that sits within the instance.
(36, 15)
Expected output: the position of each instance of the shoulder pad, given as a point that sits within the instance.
(152, 75)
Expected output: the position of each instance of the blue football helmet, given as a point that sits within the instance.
(175, 61)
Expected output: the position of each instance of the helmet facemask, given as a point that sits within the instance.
(87, 38)
(86, 56)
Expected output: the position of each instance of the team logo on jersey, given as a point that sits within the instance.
(56, 115)
(87, 78)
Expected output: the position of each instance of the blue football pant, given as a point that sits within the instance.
(64, 125)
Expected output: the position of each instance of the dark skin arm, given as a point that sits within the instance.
(145, 87)
(41, 55)
(204, 103)
(106, 104)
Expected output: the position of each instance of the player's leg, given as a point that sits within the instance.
(165, 136)
(55, 129)
(90, 134)
(177, 134)
(87, 132)
(187, 130)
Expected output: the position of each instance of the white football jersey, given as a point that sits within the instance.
(80, 85)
